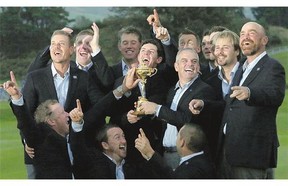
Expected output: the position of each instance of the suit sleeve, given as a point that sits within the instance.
(41, 60)
(103, 70)
(26, 124)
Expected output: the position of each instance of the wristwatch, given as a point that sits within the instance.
(120, 89)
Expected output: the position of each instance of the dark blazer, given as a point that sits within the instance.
(206, 73)
(197, 90)
(43, 59)
(51, 159)
(39, 87)
(156, 89)
(109, 74)
(197, 167)
(251, 134)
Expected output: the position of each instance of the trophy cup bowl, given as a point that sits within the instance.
(143, 71)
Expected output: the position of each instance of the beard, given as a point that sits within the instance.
(249, 50)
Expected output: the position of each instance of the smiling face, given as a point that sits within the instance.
(116, 145)
(60, 48)
(129, 46)
(187, 65)
(149, 55)
(59, 119)
(83, 49)
(205, 45)
(225, 52)
(252, 39)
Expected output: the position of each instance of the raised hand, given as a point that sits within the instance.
(94, 43)
(11, 87)
(153, 19)
(67, 30)
(76, 114)
(130, 81)
(143, 145)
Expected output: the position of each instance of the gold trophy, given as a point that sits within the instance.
(143, 71)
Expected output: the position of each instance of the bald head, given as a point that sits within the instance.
(256, 26)
(253, 40)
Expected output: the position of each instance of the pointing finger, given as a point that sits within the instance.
(78, 105)
(12, 77)
(142, 132)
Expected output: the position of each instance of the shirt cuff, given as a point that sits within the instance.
(158, 110)
(77, 127)
(93, 54)
(18, 102)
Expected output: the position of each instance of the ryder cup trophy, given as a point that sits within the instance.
(143, 71)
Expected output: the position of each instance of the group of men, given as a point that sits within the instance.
(214, 119)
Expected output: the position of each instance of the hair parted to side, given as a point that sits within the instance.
(62, 32)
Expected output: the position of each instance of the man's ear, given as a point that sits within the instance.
(159, 60)
(105, 145)
(182, 142)
(50, 122)
(176, 66)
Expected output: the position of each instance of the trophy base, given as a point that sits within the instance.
(137, 111)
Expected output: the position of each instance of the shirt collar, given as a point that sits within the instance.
(185, 158)
(186, 84)
(233, 71)
(54, 71)
(247, 65)
(121, 164)
(88, 66)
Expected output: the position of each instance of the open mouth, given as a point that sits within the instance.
(83, 53)
(122, 147)
(189, 70)
(129, 52)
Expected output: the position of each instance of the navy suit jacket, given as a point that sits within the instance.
(251, 134)
(51, 159)
(197, 167)
(39, 87)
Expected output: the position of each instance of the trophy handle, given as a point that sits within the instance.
(154, 72)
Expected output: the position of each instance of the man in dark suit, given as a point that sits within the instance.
(112, 152)
(48, 132)
(175, 111)
(60, 80)
(248, 135)
(190, 143)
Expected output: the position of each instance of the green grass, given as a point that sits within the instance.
(283, 58)
(11, 148)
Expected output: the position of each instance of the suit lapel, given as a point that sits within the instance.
(255, 71)
(73, 80)
(188, 93)
(48, 83)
